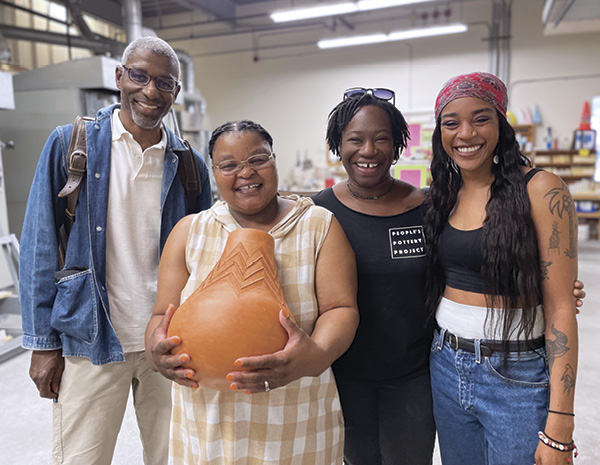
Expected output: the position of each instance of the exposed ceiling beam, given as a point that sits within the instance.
(108, 10)
(97, 46)
(219, 8)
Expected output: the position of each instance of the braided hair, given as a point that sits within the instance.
(511, 269)
(344, 111)
(238, 126)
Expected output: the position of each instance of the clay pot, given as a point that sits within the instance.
(234, 312)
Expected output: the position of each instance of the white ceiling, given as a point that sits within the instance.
(571, 16)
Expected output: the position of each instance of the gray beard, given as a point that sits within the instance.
(144, 122)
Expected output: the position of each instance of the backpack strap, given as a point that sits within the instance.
(77, 165)
(187, 169)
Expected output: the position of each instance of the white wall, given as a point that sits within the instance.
(292, 96)
(535, 56)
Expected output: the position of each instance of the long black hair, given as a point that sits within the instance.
(511, 269)
(344, 111)
(244, 125)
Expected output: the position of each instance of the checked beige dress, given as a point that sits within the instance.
(298, 424)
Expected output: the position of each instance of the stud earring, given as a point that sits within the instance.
(496, 159)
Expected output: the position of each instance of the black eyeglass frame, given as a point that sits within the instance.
(240, 164)
(354, 91)
(150, 78)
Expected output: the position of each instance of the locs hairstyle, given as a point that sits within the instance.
(511, 262)
(238, 126)
(344, 111)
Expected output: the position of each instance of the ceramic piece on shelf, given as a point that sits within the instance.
(235, 311)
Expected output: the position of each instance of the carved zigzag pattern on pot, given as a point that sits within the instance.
(244, 271)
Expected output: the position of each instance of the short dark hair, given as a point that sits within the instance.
(155, 45)
(344, 111)
(238, 126)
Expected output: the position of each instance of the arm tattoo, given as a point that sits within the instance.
(568, 379)
(560, 202)
(544, 266)
(556, 348)
(554, 239)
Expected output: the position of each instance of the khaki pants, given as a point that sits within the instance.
(91, 405)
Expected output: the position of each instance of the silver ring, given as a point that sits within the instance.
(267, 387)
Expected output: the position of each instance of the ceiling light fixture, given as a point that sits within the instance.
(350, 41)
(364, 5)
(333, 9)
(428, 32)
(393, 36)
(314, 12)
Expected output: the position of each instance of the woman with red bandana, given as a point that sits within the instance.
(502, 239)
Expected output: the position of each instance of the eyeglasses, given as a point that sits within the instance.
(141, 78)
(378, 92)
(256, 162)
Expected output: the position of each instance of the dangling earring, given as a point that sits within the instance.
(496, 159)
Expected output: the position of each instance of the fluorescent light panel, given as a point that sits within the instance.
(393, 36)
(428, 32)
(333, 9)
(364, 5)
(349, 41)
(314, 12)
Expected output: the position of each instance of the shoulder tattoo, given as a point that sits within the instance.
(560, 203)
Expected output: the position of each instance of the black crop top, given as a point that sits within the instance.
(461, 255)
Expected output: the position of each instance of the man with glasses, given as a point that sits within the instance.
(85, 322)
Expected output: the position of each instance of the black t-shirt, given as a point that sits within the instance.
(393, 337)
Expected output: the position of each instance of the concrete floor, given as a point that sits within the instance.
(25, 426)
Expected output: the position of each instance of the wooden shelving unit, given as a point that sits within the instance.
(571, 166)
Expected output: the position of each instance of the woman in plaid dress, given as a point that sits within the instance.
(293, 414)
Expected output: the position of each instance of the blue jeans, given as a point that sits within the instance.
(488, 410)
(388, 421)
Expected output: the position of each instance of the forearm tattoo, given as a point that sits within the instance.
(560, 203)
(568, 379)
(544, 267)
(556, 348)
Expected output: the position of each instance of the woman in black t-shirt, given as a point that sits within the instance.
(383, 379)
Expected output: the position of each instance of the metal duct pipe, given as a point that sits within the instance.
(99, 46)
(188, 76)
(132, 19)
(90, 40)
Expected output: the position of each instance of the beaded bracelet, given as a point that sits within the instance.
(558, 445)
(561, 413)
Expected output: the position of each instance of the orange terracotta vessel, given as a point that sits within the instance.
(234, 312)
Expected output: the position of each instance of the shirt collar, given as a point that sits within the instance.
(118, 131)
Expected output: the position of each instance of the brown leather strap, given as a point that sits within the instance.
(77, 165)
(187, 169)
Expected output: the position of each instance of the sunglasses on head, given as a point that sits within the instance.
(377, 92)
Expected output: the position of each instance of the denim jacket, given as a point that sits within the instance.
(69, 309)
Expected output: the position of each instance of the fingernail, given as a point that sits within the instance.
(189, 375)
(238, 363)
(233, 387)
(229, 377)
(185, 359)
(176, 340)
(247, 392)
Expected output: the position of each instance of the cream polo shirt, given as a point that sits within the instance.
(133, 233)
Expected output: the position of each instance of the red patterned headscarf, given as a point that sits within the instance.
(484, 86)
